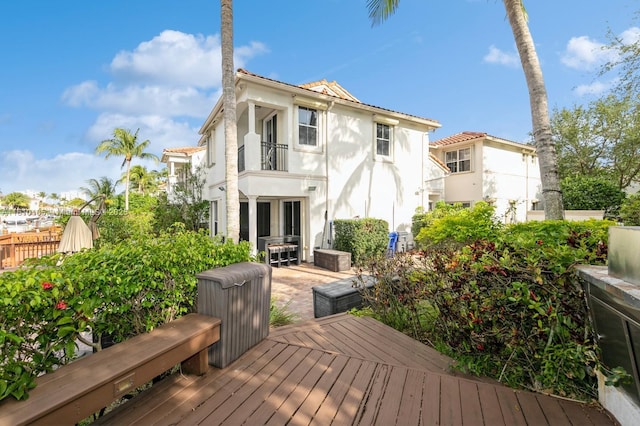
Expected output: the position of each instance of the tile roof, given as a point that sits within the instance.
(469, 136)
(330, 88)
(344, 93)
(187, 150)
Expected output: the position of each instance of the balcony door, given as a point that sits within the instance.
(270, 134)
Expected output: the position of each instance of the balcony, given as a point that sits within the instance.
(273, 156)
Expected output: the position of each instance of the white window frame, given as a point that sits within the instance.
(320, 117)
(308, 126)
(211, 149)
(376, 140)
(213, 213)
(457, 161)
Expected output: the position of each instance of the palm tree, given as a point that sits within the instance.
(125, 144)
(379, 10)
(142, 180)
(230, 125)
(103, 186)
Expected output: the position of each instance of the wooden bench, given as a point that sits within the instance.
(77, 390)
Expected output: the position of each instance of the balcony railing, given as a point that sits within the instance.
(273, 157)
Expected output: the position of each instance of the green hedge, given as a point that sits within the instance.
(118, 289)
(363, 238)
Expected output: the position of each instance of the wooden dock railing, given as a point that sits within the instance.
(16, 248)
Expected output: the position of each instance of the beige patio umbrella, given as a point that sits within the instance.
(76, 236)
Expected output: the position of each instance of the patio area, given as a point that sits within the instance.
(344, 370)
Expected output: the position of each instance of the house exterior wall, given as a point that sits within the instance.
(177, 166)
(504, 174)
(512, 179)
(465, 187)
(340, 178)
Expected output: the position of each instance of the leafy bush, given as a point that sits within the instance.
(448, 223)
(118, 289)
(508, 308)
(363, 238)
(630, 211)
(592, 193)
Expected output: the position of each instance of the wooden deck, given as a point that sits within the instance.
(344, 370)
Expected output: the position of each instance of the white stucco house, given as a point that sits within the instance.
(181, 163)
(487, 168)
(313, 153)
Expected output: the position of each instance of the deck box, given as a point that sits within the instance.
(240, 295)
(338, 296)
(333, 260)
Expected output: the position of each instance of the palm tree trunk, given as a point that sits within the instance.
(230, 125)
(547, 157)
(126, 187)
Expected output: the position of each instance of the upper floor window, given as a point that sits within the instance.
(211, 150)
(383, 139)
(459, 161)
(307, 126)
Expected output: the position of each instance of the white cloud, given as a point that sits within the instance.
(172, 75)
(583, 53)
(595, 88)
(64, 172)
(163, 132)
(165, 87)
(630, 35)
(497, 56)
(168, 101)
(174, 58)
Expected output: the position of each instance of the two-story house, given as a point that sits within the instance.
(487, 168)
(181, 164)
(313, 153)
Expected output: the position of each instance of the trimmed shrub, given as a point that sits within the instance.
(363, 238)
(452, 223)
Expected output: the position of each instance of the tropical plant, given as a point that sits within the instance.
(103, 186)
(601, 139)
(121, 289)
(507, 307)
(380, 10)
(16, 200)
(126, 145)
(448, 224)
(230, 125)
(592, 193)
(630, 210)
(185, 204)
(142, 180)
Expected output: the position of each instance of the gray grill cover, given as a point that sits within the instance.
(240, 295)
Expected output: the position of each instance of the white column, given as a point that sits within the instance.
(252, 117)
(253, 224)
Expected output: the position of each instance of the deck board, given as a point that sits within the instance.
(344, 370)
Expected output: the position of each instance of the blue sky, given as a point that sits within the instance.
(75, 70)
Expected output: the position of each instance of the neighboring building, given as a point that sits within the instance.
(487, 168)
(181, 164)
(314, 153)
